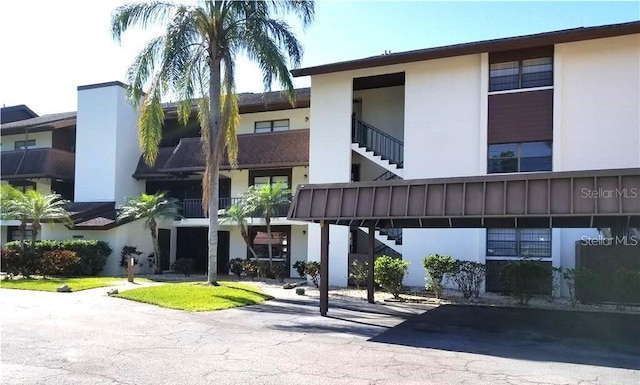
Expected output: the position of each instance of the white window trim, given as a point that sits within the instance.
(518, 90)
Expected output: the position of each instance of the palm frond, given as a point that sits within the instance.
(150, 124)
(139, 14)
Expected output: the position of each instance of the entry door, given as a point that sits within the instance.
(164, 242)
(223, 252)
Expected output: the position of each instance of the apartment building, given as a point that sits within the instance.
(483, 151)
(91, 157)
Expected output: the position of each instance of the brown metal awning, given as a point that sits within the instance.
(577, 199)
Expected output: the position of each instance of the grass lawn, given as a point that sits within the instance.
(198, 296)
(76, 284)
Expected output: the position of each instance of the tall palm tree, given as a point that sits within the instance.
(35, 207)
(238, 214)
(195, 58)
(151, 208)
(268, 200)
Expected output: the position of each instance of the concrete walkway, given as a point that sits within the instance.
(90, 338)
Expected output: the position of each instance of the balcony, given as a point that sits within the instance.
(192, 208)
(35, 163)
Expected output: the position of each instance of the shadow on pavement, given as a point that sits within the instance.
(601, 339)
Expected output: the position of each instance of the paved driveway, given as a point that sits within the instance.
(89, 338)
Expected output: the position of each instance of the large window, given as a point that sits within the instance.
(519, 157)
(260, 181)
(279, 242)
(516, 74)
(518, 243)
(272, 126)
(13, 233)
(24, 144)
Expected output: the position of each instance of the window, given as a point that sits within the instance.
(519, 157)
(532, 243)
(279, 243)
(259, 181)
(13, 233)
(272, 126)
(24, 144)
(516, 74)
(23, 185)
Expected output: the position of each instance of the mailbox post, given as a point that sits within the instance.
(130, 270)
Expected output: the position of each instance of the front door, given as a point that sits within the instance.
(164, 243)
(223, 252)
(193, 242)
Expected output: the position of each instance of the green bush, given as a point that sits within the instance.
(19, 262)
(129, 252)
(627, 283)
(526, 278)
(587, 286)
(92, 254)
(437, 266)
(300, 266)
(469, 277)
(312, 269)
(359, 272)
(58, 262)
(279, 271)
(389, 272)
(184, 266)
(236, 266)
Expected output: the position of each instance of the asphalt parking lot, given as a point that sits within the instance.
(89, 338)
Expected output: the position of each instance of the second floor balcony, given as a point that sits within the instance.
(192, 208)
(49, 163)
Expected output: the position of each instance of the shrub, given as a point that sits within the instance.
(389, 272)
(129, 252)
(437, 266)
(300, 266)
(279, 271)
(469, 277)
(236, 266)
(58, 262)
(556, 280)
(312, 269)
(587, 286)
(252, 269)
(359, 272)
(525, 278)
(569, 276)
(92, 254)
(18, 262)
(184, 266)
(627, 284)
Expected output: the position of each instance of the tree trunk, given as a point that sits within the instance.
(35, 227)
(268, 221)
(156, 248)
(213, 165)
(22, 229)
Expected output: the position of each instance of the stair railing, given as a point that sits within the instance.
(379, 142)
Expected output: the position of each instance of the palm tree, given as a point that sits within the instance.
(195, 58)
(35, 207)
(151, 208)
(238, 214)
(268, 200)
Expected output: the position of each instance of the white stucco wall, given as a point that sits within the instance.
(297, 119)
(106, 146)
(43, 140)
(596, 104)
(130, 234)
(330, 160)
(442, 125)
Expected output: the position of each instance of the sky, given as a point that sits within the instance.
(49, 48)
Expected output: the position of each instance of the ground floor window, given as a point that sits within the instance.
(13, 234)
(280, 242)
(519, 243)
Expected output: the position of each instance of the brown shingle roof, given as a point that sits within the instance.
(38, 163)
(93, 215)
(494, 45)
(269, 150)
(40, 123)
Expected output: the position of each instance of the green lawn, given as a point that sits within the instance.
(197, 296)
(76, 284)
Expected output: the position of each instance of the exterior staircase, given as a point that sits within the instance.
(377, 146)
(390, 238)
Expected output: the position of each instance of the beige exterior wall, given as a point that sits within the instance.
(298, 119)
(43, 140)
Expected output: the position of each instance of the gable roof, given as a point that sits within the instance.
(494, 45)
(16, 113)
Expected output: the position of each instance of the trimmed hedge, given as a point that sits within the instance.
(92, 255)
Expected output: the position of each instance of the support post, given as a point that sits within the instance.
(130, 267)
(370, 260)
(324, 268)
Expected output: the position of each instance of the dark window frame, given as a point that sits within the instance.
(26, 144)
(518, 157)
(271, 122)
(519, 241)
(271, 173)
(23, 185)
(520, 74)
(253, 231)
